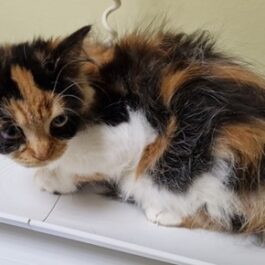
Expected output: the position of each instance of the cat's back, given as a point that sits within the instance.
(208, 111)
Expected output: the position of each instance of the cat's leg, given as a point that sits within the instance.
(156, 203)
(55, 181)
(207, 203)
(61, 182)
(207, 199)
(162, 216)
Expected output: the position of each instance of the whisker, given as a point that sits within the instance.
(72, 96)
(72, 111)
(24, 51)
(61, 93)
(78, 84)
(113, 104)
(61, 71)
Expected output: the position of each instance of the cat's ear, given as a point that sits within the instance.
(72, 44)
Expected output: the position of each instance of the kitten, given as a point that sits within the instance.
(174, 123)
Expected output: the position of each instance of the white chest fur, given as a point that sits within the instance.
(108, 150)
(115, 153)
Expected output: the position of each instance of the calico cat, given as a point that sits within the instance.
(174, 123)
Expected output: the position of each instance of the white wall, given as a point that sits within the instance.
(239, 24)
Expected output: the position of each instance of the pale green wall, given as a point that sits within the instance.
(239, 24)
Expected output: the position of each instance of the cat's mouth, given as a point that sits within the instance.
(33, 163)
(26, 159)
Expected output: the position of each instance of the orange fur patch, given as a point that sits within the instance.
(86, 179)
(155, 150)
(239, 74)
(142, 40)
(171, 82)
(33, 114)
(40, 151)
(36, 105)
(245, 140)
(201, 220)
(254, 209)
(98, 53)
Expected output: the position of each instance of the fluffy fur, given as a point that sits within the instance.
(176, 125)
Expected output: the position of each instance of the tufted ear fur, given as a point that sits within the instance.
(71, 46)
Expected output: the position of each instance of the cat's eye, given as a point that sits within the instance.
(59, 121)
(12, 132)
(64, 126)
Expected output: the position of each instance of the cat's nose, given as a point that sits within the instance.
(42, 156)
(42, 151)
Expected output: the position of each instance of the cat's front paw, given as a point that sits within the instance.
(51, 181)
(163, 217)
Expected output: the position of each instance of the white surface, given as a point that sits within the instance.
(21, 247)
(110, 243)
(18, 194)
(90, 218)
(120, 221)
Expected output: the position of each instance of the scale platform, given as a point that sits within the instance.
(106, 223)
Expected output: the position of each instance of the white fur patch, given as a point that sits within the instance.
(115, 151)
(52, 181)
(168, 208)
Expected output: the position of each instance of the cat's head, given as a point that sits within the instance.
(41, 98)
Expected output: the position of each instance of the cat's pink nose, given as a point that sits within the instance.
(41, 149)
(41, 157)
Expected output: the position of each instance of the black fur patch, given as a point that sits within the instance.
(8, 88)
(237, 222)
(109, 189)
(68, 130)
(8, 146)
(202, 105)
(131, 79)
(56, 71)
